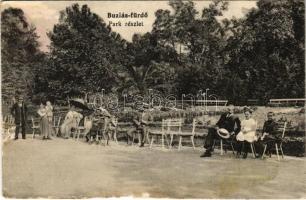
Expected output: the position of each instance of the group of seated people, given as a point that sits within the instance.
(228, 126)
(242, 132)
(95, 123)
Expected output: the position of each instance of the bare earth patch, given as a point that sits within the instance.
(73, 169)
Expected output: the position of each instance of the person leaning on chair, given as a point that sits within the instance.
(227, 121)
(269, 135)
(19, 112)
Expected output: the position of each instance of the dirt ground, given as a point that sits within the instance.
(73, 169)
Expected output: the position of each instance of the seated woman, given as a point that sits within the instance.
(71, 121)
(247, 133)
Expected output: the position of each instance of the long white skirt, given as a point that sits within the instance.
(248, 136)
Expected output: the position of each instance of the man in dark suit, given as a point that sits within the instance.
(19, 112)
(227, 121)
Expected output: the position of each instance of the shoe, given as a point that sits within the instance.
(44, 138)
(245, 155)
(206, 154)
(23, 138)
(142, 145)
(16, 138)
(48, 138)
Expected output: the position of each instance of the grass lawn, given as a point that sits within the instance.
(73, 169)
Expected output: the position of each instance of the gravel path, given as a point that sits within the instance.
(73, 169)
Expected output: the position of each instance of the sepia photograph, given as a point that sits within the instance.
(178, 99)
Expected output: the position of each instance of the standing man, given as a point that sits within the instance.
(228, 125)
(19, 112)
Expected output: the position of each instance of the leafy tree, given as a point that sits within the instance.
(20, 53)
(200, 41)
(85, 54)
(266, 51)
(145, 60)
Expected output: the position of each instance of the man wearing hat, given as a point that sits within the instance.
(228, 125)
(19, 112)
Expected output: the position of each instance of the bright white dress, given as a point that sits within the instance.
(248, 130)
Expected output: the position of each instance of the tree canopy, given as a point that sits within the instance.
(259, 56)
(20, 54)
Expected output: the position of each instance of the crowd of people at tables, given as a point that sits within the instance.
(228, 126)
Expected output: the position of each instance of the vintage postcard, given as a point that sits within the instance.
(153, 99)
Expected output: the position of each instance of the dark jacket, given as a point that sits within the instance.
(270, 126)
(231, 123)
(19, 113)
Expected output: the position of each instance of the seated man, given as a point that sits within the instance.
(101, 120)
(269, 135)
(140, 123)
(227, 121)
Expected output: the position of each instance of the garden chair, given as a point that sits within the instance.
(158, 132)
(174, 128)
(83, 130)
(278, 142)
(56, 124)
(35, 127)
(190, 134)
(9, 127)
(224, 142)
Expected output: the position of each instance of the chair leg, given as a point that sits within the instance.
(33, 134)
(221, 146)
(233, 150)
(115, 136)
(281, 148)
(192, 141)
(151, 143)
(264, 151)
(252, 148)
(139, 138)
(180, 143)
(171, 140)
(163, 145)
(276, 148)
(133, 139)
(147, 137)
(168, 142)
(213, 146)
(79, 132)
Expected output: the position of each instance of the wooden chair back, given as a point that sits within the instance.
(281, 126)
(174, 125)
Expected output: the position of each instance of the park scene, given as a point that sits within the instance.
(204, 99)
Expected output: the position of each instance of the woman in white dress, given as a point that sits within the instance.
(72, 120)
(247, 134)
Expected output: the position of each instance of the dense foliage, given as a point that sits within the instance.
(20, 54)
(260, 56)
